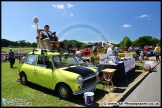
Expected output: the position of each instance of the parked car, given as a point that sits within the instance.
(59, 72)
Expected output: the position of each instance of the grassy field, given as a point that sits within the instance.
(22, 50)
(40, 96)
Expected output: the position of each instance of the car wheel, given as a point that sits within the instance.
(23, 79)
(64, 91)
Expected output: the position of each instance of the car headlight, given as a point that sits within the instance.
(80, 80)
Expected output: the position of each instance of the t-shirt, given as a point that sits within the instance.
(109, 52)
(157, 50)
(146, 49)
(131, 49)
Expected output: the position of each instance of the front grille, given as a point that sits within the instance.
(89, 82)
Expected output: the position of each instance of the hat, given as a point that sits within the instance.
(78, 52)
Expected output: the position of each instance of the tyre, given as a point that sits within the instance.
(23, 79)
(64, 91)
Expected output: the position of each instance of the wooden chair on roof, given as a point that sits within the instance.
(45, 43)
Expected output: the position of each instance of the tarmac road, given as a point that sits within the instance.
(149, 90)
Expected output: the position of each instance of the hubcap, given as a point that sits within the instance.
(23, 79)
(63, 91)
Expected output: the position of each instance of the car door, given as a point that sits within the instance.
(29, 67)
(44, 76)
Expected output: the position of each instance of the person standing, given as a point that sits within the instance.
(110, 50)
(141, 56)
(146, 50)
(157, 52)
(11, 58)
(131, 49)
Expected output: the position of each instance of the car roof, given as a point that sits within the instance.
(49, 53)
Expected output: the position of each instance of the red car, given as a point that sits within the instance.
(85, 52)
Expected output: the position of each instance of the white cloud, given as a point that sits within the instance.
(127, 25)
(144, 16)
(62, 8)
(65, 12)
(33, 26)
(71, 14)
(69, 5)
(59, 6)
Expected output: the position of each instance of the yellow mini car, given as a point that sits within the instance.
(59, 72)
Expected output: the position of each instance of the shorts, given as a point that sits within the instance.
(157, 54)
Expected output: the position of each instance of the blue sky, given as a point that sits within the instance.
(94, 21)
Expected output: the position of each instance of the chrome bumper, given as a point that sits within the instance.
(91, 88)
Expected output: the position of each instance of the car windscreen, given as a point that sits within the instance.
(64, 61)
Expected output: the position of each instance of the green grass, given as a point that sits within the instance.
(22, 50)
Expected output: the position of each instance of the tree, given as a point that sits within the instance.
(28, 44)
(159, 42)
(83, 46)
(22, 43)
(144, 40)
(154, 41)
(117, 45)
(121, 43)
(34, 44)
(126, 42)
